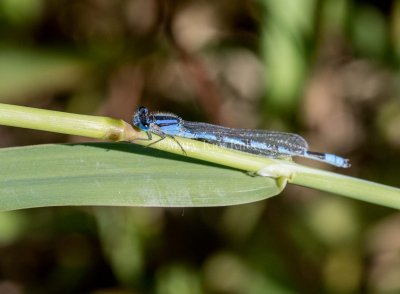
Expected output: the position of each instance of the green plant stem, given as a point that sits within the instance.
(282, 170)
(97, 127)
(347, 186)
(336, 183)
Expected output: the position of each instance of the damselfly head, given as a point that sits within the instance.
(141, 118)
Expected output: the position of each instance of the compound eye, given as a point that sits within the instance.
(143, 116)
(143, 110)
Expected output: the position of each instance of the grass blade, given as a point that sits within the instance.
(120, 174)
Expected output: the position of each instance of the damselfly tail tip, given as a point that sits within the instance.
(329, 158)
(337, 161)
(346, 163)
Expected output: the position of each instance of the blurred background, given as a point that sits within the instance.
(326, 69)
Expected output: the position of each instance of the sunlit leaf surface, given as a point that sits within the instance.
(122, 175)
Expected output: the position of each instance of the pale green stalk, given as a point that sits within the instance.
(97, 127)
(347, 186)
(335, 183)
(282, 170)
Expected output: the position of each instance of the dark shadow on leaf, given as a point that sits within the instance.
(145, 151)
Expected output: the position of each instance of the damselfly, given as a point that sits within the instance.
(260, 142)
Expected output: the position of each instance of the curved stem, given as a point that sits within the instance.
(282, 170)
(97, 127)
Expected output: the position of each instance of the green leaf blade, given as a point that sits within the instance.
(118, 174)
